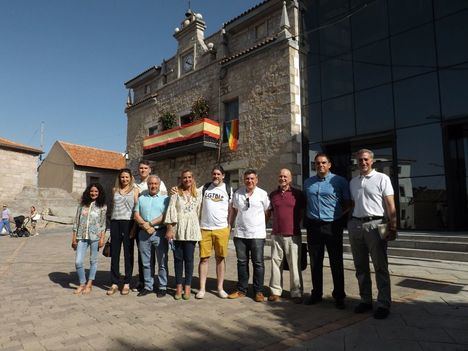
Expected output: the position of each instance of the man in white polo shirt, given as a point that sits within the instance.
(372, 194)
(250, 204)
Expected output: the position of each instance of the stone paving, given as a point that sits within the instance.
(40, 312)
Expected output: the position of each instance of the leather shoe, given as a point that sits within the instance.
(259, 297)
(312, 300)
(236, 294)
(363, 307)
(297, 300)
(144, 292)
(381, 313)
(274, 298)
(161, 293)
(339, 303)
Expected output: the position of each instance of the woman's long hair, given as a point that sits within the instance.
(86, 197)
(132, 179)
(193, 188)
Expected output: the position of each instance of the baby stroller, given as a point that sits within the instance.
(21, 230)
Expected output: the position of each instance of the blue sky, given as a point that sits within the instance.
(65, 62)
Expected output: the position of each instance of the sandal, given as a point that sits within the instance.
(125, 290)
(113, 289)
(79, 290)
(87, 289)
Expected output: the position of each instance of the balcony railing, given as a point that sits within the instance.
(190, 138)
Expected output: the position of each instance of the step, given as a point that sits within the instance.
(425, 245)
(419, 253)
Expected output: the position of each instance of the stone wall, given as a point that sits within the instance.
(19, 169)
(82, 177)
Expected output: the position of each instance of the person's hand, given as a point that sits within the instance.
(132, 233)
(174, 190)
(392, 234)
(170, 234)
(146, 226)
(150, 230)
(101, 242)
(74, 244)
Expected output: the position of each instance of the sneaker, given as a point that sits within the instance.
(363, 307)
(161, 293)
(259, 297)
(222, 294)
(312, 300)
(339, 303)
(274, 298)
(200, 295)
(236, 294)
(381, 313)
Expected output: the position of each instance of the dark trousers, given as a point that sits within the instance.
(183, 258)
(245, 249)
(141, 274)
(120, 235)
(330, 235)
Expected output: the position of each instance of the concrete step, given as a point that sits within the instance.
(426, 254)
(425, 245)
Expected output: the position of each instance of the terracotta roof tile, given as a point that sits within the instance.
(12, 145)
(246, 51)
(92, 157)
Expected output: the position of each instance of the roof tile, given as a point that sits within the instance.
(92, 157)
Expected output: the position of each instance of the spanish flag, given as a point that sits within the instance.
(232, 131)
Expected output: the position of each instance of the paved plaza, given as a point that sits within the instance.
(40, 312)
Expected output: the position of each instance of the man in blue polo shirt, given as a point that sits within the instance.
(149, 214)
(328, 199)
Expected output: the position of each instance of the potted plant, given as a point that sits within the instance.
(200, 109)
(168, 120)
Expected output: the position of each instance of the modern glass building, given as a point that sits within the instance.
(392, 76)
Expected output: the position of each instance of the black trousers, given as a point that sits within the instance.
(120, 236)
(330, 235)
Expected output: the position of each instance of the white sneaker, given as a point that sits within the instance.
(200, 295)
(222, 294)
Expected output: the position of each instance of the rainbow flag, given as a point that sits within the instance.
(232, 131)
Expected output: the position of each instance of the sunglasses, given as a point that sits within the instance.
(247, 202)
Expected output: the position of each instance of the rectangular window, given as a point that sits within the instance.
(147, 89)
(231, 112)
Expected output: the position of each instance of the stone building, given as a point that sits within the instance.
(248, 70)
(18, 167)
(72, 167)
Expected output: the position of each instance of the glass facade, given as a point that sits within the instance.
(392, 76)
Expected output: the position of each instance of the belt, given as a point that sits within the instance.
(368, 219)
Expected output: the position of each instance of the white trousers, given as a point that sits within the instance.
(288, 247)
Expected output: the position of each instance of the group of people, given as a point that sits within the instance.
(159, 222)
(33, 217)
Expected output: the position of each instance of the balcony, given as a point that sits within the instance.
(190, 138)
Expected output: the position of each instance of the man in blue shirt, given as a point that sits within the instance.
(149, 213)
(328, 200)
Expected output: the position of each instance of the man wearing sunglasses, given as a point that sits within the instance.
(372, 194)
(249, 207)
(328, 200)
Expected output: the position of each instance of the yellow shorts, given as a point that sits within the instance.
(217, 238)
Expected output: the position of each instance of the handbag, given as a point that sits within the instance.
(106, 250)
(303, 259)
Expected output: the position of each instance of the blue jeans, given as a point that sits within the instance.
(81, 249)
(159, 242)
(5, 222)
(183, 255)
(252, 248)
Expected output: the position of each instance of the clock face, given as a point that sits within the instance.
(188, 62)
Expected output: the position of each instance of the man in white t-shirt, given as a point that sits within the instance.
(372, 194)
(249, 207)
(215, 230)
(144, 171)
